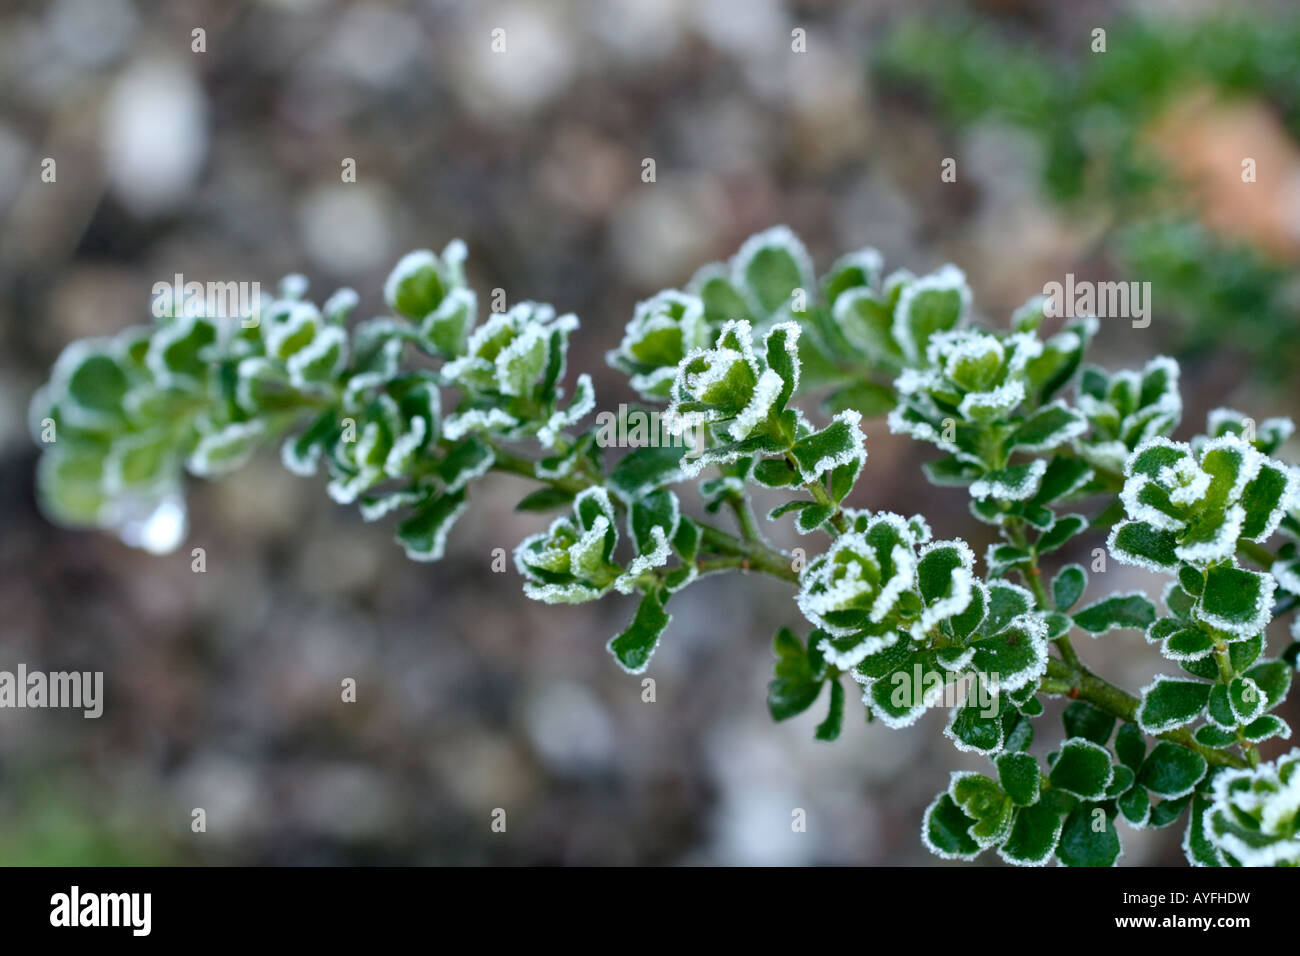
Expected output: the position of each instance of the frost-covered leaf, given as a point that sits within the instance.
(770, 266)
(1129, 746)
(226, 449)
(424, 533)
(829, 729)
(1171, 771)
(1034, 836)
(945, 830)
(1083, 844)
(1143, 545)
(1019, 776)
(839, 443)
(934, 303)
(1060, 533)
(1117, 611)
(1014, 483)
(635, 646)
(1236, 600)
(1048, 427)
(798, 682)
(1082, 768)
(1168, 703)
(1068, 586)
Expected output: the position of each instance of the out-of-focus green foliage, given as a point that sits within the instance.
(1088, 116)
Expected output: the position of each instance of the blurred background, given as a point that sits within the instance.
(222, 688)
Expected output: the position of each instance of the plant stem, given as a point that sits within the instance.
(1257, 553)
(745, 518)
(758, 556)
(752, 555)
(1033, 576)
(822, 497)
(1085, 685)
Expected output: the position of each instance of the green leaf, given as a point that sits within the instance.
(934, 303)
(1082, 768)
(1047, 428)
(1216, 737)
(1065, 528)
(1143, 545)
(1246, 699)
(414, 287)
(1265, 500)
(1013, 483)
(865, 318)
(645, 469)
(1034, 836)
(635, 646)
(1130, 747)
(545, 499)
(1064, 477)
(1088, 838)
(659, 509)
(1001, 558)
(796, 686)
(1171, 771)
(1068, 586)
(829, 729)
(222, 451)
(836, 444)
(1136, 806)
(1265, 728)
(424, 533)
(1019, 776)
(1273, 677)
(466, 460)
(1236, 600)
(1118, 611)
(1186, 643)
(950, 471)
(1081, 719)
(975, 727)
(783, 358)
(1197, 846)
(1168, 703)
(945, 830)
(1167, 811)
(981, 798)
(771, 265)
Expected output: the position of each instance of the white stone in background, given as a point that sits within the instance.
(155, 137)
(345, 226)
(375, 45)
(747, 29)
(540, 59)
(635, 33)
(90, 33)
(569, 726)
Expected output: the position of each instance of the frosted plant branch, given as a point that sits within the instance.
(771, 371)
